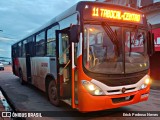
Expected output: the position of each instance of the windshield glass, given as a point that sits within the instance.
(102, 55)
(136, 58)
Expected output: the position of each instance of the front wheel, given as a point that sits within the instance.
(53, 93)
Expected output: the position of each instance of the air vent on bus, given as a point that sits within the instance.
(119, 90)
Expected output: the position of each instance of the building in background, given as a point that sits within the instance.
(132, 3)
(129, 3)
(152, 11)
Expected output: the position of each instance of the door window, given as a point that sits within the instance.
(64, 49)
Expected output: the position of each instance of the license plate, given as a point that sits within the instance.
(127, 98)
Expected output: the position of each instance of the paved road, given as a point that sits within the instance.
(28, 98)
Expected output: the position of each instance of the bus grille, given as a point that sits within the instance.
(119, 90)
(121, 81)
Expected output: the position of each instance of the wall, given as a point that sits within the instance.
(157, 38)
(155, 66)
(146, 2)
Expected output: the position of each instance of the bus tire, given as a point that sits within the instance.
(52, 93)
(21, 78)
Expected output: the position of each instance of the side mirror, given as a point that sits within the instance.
(74, 33)
(150, 44)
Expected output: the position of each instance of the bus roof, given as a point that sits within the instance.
(72, 10)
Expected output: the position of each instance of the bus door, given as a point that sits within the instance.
(28, 61)
(64, 68)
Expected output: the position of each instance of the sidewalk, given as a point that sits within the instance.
(155, 84)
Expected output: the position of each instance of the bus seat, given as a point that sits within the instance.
(99, 52)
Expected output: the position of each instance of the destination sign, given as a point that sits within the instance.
(115, 14)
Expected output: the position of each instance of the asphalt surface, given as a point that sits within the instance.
(28, 98)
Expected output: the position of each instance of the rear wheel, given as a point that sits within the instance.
(21, 78)
(53, 93)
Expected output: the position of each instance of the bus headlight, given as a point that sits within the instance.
(146, 82)
(92, 88)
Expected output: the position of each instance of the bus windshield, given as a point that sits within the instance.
(102, 55)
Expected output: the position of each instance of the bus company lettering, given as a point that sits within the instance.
(115, 14)
(44, 64)
(24, 115)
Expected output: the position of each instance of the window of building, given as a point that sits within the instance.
(154, 1)
(51, 41)
(139, 4)
(40, 44)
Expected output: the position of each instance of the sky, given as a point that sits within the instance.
(20, 17)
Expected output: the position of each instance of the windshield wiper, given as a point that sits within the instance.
(112, 35)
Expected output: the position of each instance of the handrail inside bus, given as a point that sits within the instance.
(64, 52)
(64, 68)
(111, 35)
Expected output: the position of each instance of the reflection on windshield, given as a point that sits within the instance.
(100, 53)
(135, 51)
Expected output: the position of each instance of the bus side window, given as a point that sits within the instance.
(51, 41)
(40, 44)
(31, 42)
(19, 49)
(24, 49)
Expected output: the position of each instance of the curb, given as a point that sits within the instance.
(8, 100)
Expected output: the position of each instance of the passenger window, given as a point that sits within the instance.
(51, 41)
(20, 49)
(24, 49)
(31, 42)
(40, 44)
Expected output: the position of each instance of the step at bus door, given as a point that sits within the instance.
(28, 61)
(65, 77)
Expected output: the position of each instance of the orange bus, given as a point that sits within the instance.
(94, 56)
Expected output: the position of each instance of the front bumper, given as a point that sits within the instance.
(88, 103)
